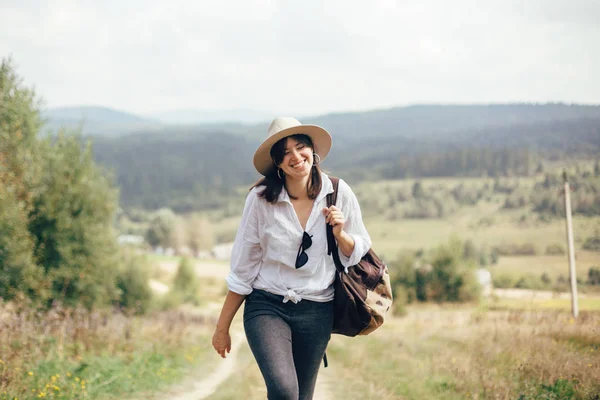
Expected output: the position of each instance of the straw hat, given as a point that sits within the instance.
(282, 127)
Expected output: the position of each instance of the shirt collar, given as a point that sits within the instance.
(326, 188)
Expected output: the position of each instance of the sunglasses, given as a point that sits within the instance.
(302, 257)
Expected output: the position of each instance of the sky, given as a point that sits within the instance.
(303, 57)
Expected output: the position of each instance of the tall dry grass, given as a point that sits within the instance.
(460, 353)
(49, 354)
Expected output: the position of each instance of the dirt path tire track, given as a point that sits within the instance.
(208, 384)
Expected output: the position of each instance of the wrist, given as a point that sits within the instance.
(342, 235)
(222, 328)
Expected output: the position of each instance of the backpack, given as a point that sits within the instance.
(363, 296)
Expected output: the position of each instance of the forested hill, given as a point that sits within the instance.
(425, 121)
(190, 168)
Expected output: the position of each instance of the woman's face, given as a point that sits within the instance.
(297, 159)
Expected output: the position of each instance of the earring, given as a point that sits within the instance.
(279, 170)
(317, 158)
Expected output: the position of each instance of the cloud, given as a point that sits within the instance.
(303, 57)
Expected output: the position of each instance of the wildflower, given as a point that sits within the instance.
(30, 373)
(69, 374)
(56, 388)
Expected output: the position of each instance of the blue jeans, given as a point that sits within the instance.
(288, 342)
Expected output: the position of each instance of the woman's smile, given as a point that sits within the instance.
(299, 165)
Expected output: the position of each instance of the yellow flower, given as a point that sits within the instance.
(42, 394)
(30, 373)
(56, 388)
(76, 379)
(69, 374)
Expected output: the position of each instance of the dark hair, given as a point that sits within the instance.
(274, 184)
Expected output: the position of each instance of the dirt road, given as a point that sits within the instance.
(201, 387)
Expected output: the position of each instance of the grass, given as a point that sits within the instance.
(552, 265)
(585, 304)
(66, 354)
(456, 352)
(462, 353)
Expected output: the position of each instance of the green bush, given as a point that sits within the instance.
(592, 243)
(530, 281)
(440, 275)
(133, 282)
(504, 281)
(400, 300)
(555, 250)
(186, 283)
(513, 249)
(594, 276)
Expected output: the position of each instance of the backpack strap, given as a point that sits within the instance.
(332, 249)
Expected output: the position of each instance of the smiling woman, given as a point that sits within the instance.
(280, 265)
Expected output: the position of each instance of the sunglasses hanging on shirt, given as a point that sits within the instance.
(302, 257)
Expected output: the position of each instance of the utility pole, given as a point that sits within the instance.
(572, 275)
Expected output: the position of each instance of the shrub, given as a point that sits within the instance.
(517, 199)
(400, 300)
(185, 283)
(530, 281)
(555, 250)
(512, 249)
(133, 282)
(504, 281)
(592, 243)
(594, 276)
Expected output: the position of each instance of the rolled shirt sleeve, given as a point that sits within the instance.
(353, 225)
(247, 252)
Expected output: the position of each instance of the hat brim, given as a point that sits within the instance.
(320, 137)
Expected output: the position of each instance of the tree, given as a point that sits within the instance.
(161, 229)
(56, 209)
(417, 190)
(71, 224)
(19, 123)
(19, 274)
(200, 234)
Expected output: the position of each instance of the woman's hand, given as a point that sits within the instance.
(335, 217)
(221, 341)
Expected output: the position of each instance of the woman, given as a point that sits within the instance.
(279, 261)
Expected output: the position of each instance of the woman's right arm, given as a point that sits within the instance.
(221, 339)
(246, 257)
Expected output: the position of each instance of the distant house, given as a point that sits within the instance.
(134, 240)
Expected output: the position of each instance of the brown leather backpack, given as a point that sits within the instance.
(363, 296)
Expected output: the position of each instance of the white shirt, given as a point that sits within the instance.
(267, 242)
